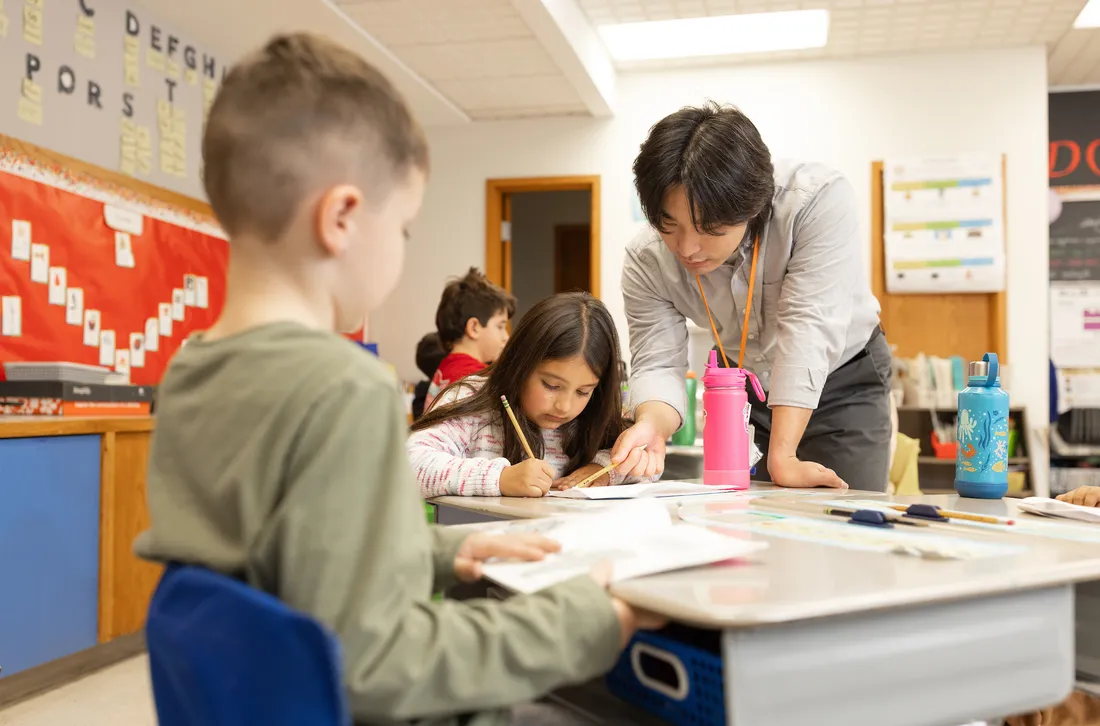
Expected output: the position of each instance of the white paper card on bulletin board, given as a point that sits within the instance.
(91, 328)
(40, 263)
(152, 335)
(1075, 324)
(74, 306)
(123, 220)
(107, 348)
(58, 279)
(13, 316)
(944, 225)
(20, 240)
(164, 312)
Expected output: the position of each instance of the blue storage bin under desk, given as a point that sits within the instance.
(675, 674)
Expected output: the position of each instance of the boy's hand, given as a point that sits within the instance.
(1083, 496)
(631, 619)
(568, 482)
(531, 478)
(480, 547)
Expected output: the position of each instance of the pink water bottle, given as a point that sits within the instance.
(726, 410)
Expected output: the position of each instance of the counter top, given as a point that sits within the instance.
(18, 427)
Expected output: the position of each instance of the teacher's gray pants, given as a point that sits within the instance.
(850, 430)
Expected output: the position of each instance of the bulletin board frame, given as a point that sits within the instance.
(957, 323)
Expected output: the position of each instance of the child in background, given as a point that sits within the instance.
(429, 354)
(561, 374)
(472, 322)
(279, 451)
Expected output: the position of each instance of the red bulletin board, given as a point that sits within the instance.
(79, 240)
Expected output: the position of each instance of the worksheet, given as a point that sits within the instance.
(670, 488)
(634, 539)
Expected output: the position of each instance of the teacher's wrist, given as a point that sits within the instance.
(660, 415)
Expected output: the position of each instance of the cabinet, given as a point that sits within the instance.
(49, 548)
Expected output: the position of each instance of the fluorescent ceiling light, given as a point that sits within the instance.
(1089, 16)
(718, 35)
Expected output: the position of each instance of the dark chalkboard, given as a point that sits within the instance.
(1075, 243)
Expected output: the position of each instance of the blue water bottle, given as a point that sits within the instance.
(981, 464)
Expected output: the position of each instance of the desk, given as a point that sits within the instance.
(820, 634)
(72, 499)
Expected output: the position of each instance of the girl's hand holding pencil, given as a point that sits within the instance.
(529, 478)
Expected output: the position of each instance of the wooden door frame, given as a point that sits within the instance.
(496, 190)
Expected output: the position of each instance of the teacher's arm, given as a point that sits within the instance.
(815, 310)
(659, 361)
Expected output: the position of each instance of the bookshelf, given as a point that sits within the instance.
(937, 475)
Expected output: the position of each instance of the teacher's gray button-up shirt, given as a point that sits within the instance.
(812, 308)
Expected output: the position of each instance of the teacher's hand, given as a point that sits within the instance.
(631, 459)
(797, 474)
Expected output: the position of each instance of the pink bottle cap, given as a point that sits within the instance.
(717, 377)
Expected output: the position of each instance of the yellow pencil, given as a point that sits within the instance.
(583, 484)
(588, 480)
(519, 431)
(966, 516)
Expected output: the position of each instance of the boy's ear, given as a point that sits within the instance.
(473, 328)
(335, 221)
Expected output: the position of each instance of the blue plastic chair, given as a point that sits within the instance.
(222, 653)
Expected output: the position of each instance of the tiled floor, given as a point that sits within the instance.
(117, 696)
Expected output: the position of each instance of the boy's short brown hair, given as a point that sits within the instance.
(470, 296)
(301, 113)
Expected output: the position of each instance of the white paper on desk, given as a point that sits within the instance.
(637, 538)
(1062, 510)
(641, 491)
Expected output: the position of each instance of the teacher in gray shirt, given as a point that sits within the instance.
(715, 202)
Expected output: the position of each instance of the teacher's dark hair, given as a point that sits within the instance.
(716, 153)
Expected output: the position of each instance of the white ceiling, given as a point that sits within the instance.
(463, 60)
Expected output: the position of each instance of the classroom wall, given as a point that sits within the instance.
(68, 82)
(845, 113)
(534, 216)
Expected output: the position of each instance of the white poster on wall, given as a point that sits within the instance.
(944, 224)
(1075, 324)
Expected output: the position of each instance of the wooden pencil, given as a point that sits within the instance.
(967, 516)
(519, 431)
(588, 480)
(584, 483)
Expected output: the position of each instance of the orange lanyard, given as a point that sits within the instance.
(748, 311)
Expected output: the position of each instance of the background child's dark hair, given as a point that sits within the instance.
(470, 296)
(557, 328)
(429, 354)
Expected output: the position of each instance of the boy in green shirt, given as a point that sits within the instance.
(279, 454)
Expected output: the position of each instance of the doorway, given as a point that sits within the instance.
(542, 237)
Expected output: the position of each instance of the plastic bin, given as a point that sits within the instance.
(675, 674)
